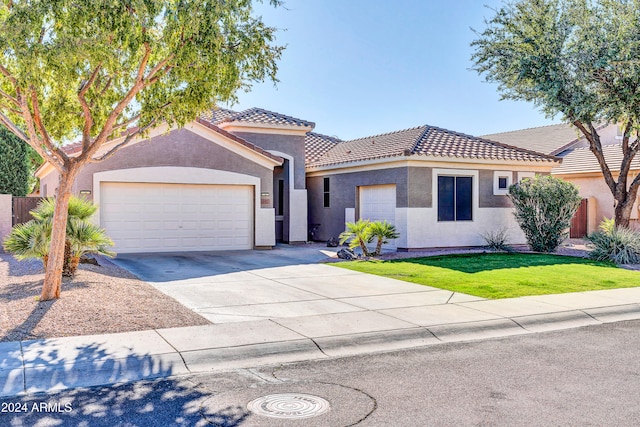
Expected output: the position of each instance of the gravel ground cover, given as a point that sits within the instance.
(99, 300)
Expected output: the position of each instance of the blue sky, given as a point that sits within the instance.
(363, 67)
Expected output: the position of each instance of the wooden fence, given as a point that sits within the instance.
(22, 207)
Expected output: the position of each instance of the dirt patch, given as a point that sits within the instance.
(99, 300)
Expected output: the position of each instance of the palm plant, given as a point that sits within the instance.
(29, 240)
(357, 233)
(383, 231)
(32, 239)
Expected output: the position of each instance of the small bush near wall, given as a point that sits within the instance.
(544, 206)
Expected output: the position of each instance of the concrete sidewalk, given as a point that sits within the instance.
(331, 312)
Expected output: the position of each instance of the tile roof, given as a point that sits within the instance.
(545, 139)
(581, 160)
(257, 116)
(425, 141)
(217, 115)
(372, 147)
(316, 145)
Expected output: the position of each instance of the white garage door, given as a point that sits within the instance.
(142, 217)
(378, 203)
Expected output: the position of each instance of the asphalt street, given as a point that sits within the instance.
(574, 377)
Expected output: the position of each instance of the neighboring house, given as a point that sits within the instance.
(240, 180)
(579, 165)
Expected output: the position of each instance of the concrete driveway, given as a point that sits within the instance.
(286, 282)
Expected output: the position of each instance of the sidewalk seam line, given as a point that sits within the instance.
(24, 370)
(450, 296)
(177, 351)
(582, 310)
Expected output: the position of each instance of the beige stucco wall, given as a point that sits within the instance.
(6, 220)
(594, 187)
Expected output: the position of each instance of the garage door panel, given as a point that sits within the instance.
(145, 217)
(378, 203)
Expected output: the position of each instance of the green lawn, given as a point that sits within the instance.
(503, 275)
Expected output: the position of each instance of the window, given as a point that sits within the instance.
(327, 198)
(455, 198)
(280, 210)
(501, 182)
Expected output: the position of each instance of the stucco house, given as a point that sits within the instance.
(240, 180)
(579, 165)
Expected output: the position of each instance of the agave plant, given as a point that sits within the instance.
(358, 235)
(383, 231)
(32, 239)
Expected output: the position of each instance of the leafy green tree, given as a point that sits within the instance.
(14, 164)
(544, 207)
(576, 58)
(106, 72)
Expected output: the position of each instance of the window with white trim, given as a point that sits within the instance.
(501, 182)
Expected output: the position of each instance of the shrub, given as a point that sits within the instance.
(383, 231)
(357, 234)
(497, 240)
(363, 231)
(544, 207)
(32, 239)
(617, 244)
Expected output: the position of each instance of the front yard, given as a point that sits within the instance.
(503, 275)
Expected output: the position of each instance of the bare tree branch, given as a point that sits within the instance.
(126, 141)
(20, 134)
(86, 110)
(9, 97)
(143, 62)
(6, 121)
(159, 66)
(8, 75)
(595, 145)
(46, 139)
(126, 123)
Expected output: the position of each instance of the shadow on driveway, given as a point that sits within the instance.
(166, 267)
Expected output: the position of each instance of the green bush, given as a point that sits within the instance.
(617, 244)
(544, 207)
(32, 239)
(363, 231)
(14, 164)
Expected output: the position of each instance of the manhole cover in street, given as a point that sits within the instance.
(289, 406)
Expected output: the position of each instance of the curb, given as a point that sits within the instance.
(27, 367)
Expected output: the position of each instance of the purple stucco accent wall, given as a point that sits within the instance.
(178, 148)
(292, 145)
(343, 195)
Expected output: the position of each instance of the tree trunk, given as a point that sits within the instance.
(622, 212)
(55, 261)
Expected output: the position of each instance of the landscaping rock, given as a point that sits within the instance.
(88, 260)
(332, 243)
(346, 253)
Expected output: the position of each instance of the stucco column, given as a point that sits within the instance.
(6, 213)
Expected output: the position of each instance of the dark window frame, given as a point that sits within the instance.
(280, 207)
(455, 198)
(502, 179)
(326, 192)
